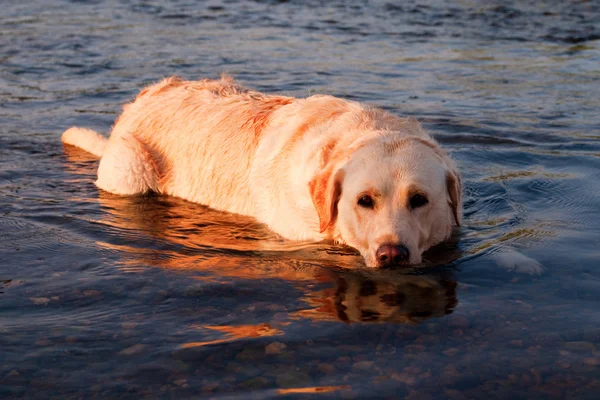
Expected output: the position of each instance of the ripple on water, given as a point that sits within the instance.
(19, 235)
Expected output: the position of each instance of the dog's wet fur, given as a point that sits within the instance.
(311, 169)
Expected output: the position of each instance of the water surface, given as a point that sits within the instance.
(154, 297)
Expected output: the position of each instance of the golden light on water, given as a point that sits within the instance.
(233, 333)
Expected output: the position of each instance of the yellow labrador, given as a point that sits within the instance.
(311, 169)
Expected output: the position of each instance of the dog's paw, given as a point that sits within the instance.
(514, 261)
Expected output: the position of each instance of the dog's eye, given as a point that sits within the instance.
(418, 200)
(366, 201)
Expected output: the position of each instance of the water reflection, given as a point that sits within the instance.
(236, 333)
(383, 297)
(212, 246)
(315, 389)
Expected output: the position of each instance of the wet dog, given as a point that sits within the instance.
(311, 169)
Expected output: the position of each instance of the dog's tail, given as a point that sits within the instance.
(86, 139)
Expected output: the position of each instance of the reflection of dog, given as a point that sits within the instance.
(166, 232)
(393, 298)
(170, 233)
(311, 169)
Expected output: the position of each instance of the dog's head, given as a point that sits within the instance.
(391, 197)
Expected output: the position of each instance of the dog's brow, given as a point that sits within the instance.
(390, 148)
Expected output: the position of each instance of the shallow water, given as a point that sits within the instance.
(111, 297)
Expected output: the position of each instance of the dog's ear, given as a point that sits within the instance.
(454, 187)
(326, 190)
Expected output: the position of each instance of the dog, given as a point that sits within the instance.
(311, 169)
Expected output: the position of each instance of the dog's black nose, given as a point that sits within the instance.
(391, 254)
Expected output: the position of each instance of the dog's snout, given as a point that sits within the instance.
(391, 254)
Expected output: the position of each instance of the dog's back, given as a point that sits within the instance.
(194, 140)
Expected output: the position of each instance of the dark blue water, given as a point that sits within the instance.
(108, 297)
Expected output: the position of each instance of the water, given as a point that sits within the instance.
(111, 297)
